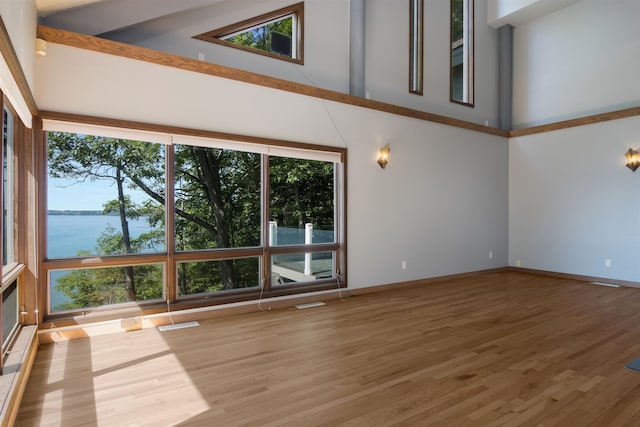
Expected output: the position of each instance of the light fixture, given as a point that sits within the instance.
(633, 159)
(383, 156)
(41, 47)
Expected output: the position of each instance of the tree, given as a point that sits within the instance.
(217, 195)
(260, 37)
(301, 192)
(85, 157)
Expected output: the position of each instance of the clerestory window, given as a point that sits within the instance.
(277, 34)
(462, 67)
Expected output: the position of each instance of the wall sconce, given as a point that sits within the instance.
(633, 159)
(383, 156)
(41, 47)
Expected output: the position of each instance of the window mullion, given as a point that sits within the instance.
(266, 251)
(170, 268)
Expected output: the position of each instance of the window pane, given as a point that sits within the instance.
(217, 198)
(105, 196)
(215, 276)
(273, 37)
(303, 267)
(92, 287)
(462, 51)
(8, 241)
(301, 209)
(9, 312)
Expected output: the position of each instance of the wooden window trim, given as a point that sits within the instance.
(170, 257)
(416, 47)
(297, 10)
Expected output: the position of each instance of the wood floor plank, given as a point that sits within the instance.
(503, 349)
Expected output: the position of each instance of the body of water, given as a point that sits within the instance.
(68, 234)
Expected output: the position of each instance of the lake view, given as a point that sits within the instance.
(68, 234)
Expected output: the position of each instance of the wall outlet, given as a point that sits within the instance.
(518, 263)
(490, 254)
(201, 57)
(404, 265)
(607, 263)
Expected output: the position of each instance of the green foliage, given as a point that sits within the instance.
(260, 38)
(93, 287)
(217, 203)
(301, 192)
(457, 20)
(204, 277)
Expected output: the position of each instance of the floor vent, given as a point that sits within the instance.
(310, 305)
(611, 285)
(634, 366)
(178, 326)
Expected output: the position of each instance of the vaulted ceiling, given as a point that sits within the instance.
(94, 17)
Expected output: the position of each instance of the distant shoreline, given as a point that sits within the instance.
(71, 212)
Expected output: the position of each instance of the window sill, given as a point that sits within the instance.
(17, 366)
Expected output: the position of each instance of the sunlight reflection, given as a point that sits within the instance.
(125, 387)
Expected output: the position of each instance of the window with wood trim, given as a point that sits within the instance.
(188, 220)
(278, 34)
(12, 129)
(461, 48)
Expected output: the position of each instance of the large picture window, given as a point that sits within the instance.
(171, 218)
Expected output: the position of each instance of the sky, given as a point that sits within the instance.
(65, 194)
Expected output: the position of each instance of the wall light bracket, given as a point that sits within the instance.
(41, 47)
(383, 156)
(633, 159)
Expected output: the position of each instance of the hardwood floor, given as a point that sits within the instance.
(502, 349)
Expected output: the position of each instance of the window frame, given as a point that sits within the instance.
(170, 259)
(13, 272)
(416, 47)
(218, 35)
(468, 55)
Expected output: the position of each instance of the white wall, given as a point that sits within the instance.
(327, 50)
(573, 203)
(326, 46)
(19, 17)
(387, 60)
(578, 61)
(441, 204)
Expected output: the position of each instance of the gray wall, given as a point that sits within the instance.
(441, 204)
(327, 50)
(572, 202)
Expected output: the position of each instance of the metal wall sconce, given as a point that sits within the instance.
(633, 159)
(383, 156)
(41, 47)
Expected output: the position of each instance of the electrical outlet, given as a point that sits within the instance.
(404, 265)
(607, 263)
(490, 254)
(201, 57)
(518, 263)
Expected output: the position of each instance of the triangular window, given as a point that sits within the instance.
(278, 34)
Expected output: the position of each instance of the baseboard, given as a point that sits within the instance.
(16, 373)
(419, 282)
(91, 329)
(577, 277)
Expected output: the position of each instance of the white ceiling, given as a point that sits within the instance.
(47, 7)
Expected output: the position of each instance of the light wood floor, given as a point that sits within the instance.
(502, 349)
